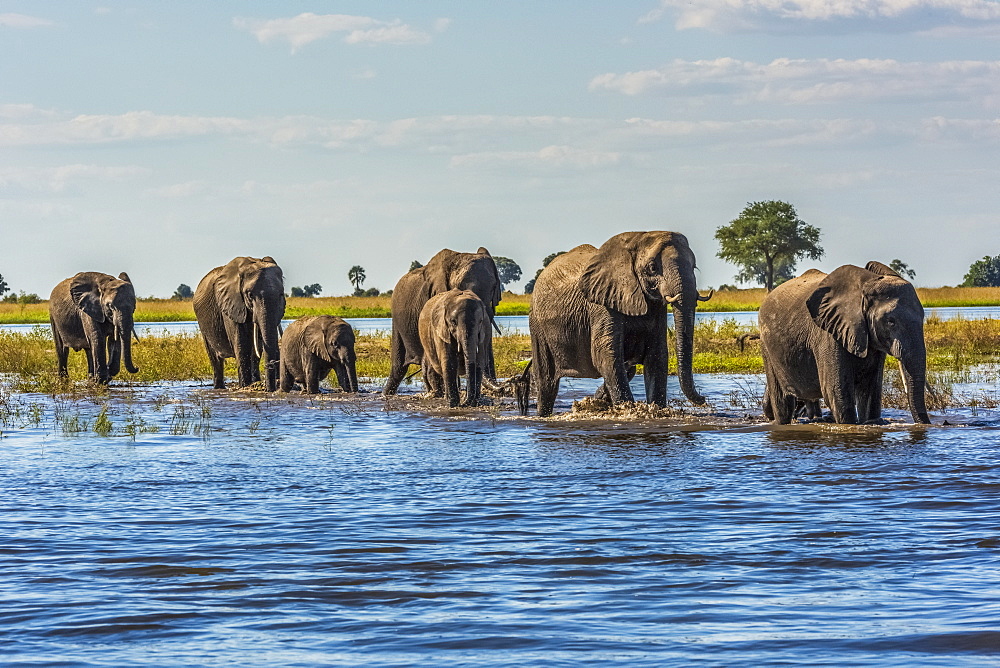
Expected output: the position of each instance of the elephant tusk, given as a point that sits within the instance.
(706, 298)
(496, 327)
(672, 300)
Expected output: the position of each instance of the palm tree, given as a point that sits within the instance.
(356, 275)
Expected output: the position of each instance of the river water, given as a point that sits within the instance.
(187, 527)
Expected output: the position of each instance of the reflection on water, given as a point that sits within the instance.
(208, 527)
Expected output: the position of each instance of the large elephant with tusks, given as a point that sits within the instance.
(239, 307)
(598, 312)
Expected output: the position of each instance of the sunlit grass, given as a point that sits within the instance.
(170, 310)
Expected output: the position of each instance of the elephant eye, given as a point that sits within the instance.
(651, 268)
(890, 321)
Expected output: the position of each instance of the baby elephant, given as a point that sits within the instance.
(311, 346)
(454, 330)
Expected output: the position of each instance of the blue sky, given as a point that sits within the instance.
(163, 139)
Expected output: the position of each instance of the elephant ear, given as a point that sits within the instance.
(437, 272)
(124, 277)
(880, 269)
(610, 279)
(229, 292)
(495, 295)
(314, 340)
(837, 306)
(86, 294)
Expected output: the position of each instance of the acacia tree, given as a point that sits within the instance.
(766, 240)
(983, 273)
(356, 275)
(902, 268)
(508, 269)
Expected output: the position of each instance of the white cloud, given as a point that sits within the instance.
(788, 15)
(788, 81)
(306, 28)
(22, 21)
(62, 179)
(550, 156)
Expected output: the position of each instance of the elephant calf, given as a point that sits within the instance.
(454, 329)
(311, 347)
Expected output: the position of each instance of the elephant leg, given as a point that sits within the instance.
(243, 347)
(868, 388)
(100, 362)
(452, 390)
(397, 365)
(616, 381)
(654, 376)
(312, 373)
(286, 379)
(62, 353)
(838, 392)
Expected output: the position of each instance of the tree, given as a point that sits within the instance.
(766, 240)
(902, 269)
(529, 287)
(983, 273)
(508, 270)
(3, 286)
(183, 291)
(356, 275)
(416, 264)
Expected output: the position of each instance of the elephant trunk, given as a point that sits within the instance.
(913, 370)
(124, 329)
(266, 321)
(684, 330)
(473, 370)
(350, 363)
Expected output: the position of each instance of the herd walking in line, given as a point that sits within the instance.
(596, 313)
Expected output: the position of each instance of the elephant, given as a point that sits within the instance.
(94, 312)
(239, 307)
(454, 328)
(598, 312)
(825, 336)
(312, 346)
(445, 271)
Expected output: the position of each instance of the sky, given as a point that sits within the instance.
(165, 138)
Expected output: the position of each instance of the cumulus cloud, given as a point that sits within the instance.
(303, 29)
(22, 21)
(834, 15)
(788, 81)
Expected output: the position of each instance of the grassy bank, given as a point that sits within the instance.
(953, 346)
(169, 310)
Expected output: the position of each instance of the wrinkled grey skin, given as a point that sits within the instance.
(597, 312)
(826, 336)
(455, 335)
(314, 345)
(239, 307)
(94, 312)
(447, 270)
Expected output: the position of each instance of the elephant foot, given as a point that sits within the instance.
(879, 422)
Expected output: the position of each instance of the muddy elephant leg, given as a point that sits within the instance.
(243, 348)
(62, 354)
(654, 376)
(311, 371)
(285, 377)
(397, 365)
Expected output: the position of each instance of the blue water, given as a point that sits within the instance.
(213, 528)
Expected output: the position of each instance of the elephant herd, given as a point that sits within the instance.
(596, 313)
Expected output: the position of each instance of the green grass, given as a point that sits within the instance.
(169, 310)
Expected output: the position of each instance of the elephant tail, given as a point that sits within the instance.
(743, 338)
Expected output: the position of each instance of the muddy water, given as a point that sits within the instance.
(202, 528)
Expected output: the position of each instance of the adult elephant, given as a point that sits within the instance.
(598, 312)
(239, 307)
(447, 270)
(454, 329)
(314, 345)
(94, 312)
(826, 336)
